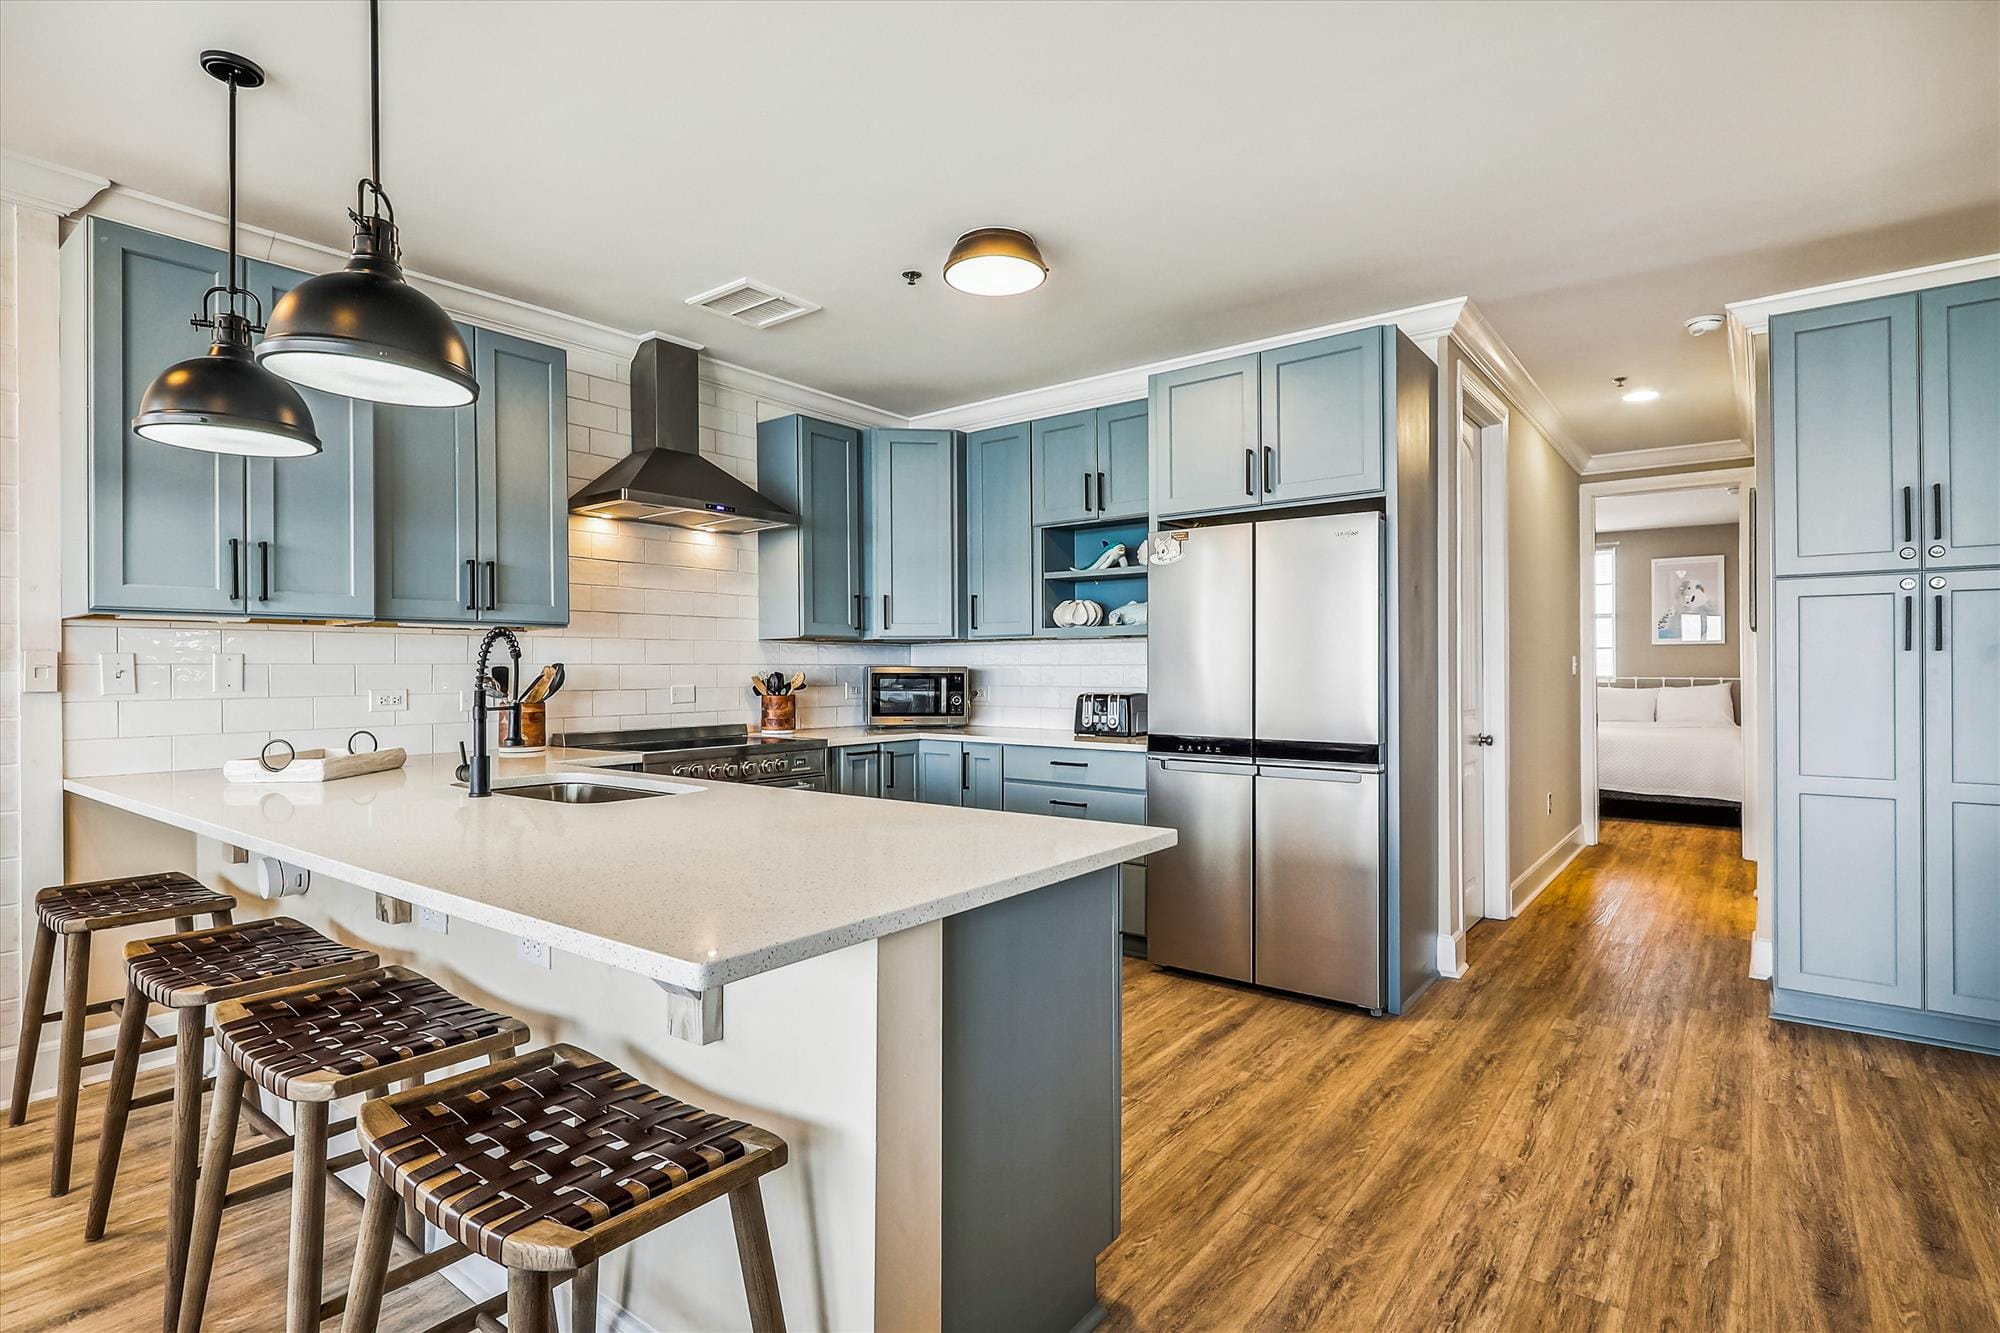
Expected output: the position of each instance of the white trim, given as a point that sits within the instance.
(1451, 955)
(1528, 885)
(1762, 954)
(1422, 324)
(1668, 455)
(1743, 378)
(803, 397)
(32, 183)
(1479, 340)
(1755, 313)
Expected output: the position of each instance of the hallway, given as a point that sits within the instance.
(1597, 1128)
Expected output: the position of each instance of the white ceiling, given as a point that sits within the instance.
(1666, 509)
(1198, 174)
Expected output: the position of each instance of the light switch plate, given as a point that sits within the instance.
(117, 673)
(227, 671)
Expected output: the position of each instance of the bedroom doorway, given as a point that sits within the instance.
(1669, 623)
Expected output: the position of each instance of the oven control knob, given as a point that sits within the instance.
(773, 766)
(729, 771)
(684, 770)
(957, 702)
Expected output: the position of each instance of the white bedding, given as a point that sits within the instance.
(1663, 759)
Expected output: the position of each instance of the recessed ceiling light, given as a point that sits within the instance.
(1634, 395)
(995, 261)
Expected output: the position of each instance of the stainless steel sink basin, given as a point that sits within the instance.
(582, 791)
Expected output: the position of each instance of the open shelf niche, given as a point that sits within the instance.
(1066, 553)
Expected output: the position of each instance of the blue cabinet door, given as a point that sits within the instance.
(911, 478)
(166, 524)
(1065, 467)
(1000, 586)
(1961, 425)
(1962, 793)
(1848, 825)
(857, 770)
(899, 770)
(1323, 420)
(1207, 436)
(311, 522)
(941, 773)
(809, 578)
(427, 512)
(522, 426)
(1122, 450)
(1844, 438)
(983, 776)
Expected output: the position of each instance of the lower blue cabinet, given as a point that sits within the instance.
(899, 770)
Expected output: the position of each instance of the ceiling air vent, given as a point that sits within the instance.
(757, 304)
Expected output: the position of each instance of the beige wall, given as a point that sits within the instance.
(1543, 755)
(1638, 655)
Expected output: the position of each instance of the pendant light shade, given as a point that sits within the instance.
(364, 331)
(995, 261)
(225, 403)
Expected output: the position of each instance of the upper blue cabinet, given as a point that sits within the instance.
(1090, 465)
(911, 482)
(1303, 423)
(1000, 585)
(1885, 433)
(809, 577)
(406, 513)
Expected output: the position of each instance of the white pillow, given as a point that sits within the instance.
(1697, 706)
(1616, 705)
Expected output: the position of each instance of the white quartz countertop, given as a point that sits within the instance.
(839, 736)
(698, 889)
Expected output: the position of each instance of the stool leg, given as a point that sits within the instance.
(117, 1107)
(753, 1251)
(186, 1154)
(308, 1217)
(528, 1302)
(371, 1258)
(583, 1299)
(222, 1118)
(34, 1003)
(69, 1064)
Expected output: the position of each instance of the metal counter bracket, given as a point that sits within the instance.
(693, 1015)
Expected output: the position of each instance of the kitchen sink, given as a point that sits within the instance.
(583, 791)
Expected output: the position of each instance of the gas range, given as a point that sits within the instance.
(718, 754)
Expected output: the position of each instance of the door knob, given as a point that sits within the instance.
(1482, 739)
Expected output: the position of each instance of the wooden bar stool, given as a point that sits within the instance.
(187, 973)
(76, 912)
(544, 1163)
(311, 1046)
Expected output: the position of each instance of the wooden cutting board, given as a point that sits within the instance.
(317, 766)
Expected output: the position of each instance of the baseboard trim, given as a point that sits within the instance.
(1761, 959)
(1451, 956)
(1528, 885)
(1881, 1020)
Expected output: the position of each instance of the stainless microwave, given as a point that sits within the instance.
(919, 696)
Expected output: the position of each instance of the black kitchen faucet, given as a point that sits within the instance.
(479, 769)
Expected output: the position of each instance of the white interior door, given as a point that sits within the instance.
(1472, 742)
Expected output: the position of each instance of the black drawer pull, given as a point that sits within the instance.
(1937, 623)
(1909, 514)
(1068, 763)
(1937, 511)
(1073, 805)
(1909, 622)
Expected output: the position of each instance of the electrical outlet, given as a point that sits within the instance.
(388, 701)
(680, 694)
(535, 952)
(117, 673)
(847, 690)
(979, 694)
(431, 919)
(1552, 802)
(1572, 664)
(226, 670)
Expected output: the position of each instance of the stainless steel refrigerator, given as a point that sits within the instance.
(1265, 670)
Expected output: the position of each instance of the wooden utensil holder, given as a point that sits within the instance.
(534, 724)
(781, 712)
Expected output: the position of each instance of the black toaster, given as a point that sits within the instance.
(1110, 716)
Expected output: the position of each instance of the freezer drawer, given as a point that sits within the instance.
(1319, 883)
(1198, 894)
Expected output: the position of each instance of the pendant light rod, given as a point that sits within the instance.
(235, 273)
(375, 93)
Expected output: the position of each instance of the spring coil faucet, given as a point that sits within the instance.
(479, 769)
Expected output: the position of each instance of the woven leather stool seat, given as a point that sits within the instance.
(133, 900)
(225, 962)
(550, 1159)
(322, 1042)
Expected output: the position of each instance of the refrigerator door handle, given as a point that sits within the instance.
(1205, 766)
(1312, 774)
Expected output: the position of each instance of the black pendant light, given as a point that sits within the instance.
(225, 402)
(364, 331)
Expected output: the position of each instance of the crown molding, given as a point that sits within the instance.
(1743, 375)
(1670, 455)
(30, 182)
(802, 397)
(1422, 324)
(1755, 314)
(1481, 343)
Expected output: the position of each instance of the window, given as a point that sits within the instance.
(1605, 576)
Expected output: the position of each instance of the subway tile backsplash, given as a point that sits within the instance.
(662, 633)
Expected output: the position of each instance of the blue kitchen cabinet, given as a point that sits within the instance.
(1065, 467)
(1207, 436)
(521, 428)
(809, 577)
(911, 481)
(1000, 585)
(941, 773)
(1122, 453)
(1960, 339)
(427, 512)
(857, 770)
(899, 770)
(983, 776)
(1961, 651)
(1324, 425)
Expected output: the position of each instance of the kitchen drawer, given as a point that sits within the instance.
(1047, 798)
(1076, 768)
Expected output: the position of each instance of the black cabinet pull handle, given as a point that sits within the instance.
(1086, 492)
(1751, 582)
(263, 571)
(855, 612)
(1937, 511)
(1909, 622)
(885, 610)
(1072, 805)
(975, 610)
(1909, 514)
(472, 585)
(1101, 505)
(1937, 623)
(1068, 763)
(964, 771)
(492, 583)
(235, 571)
(1270, 470)
(1249, 471)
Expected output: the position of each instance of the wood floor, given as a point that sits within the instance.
(1598, 1128)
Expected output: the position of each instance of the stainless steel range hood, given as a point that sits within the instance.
(666, 480)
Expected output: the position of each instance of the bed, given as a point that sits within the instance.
(1672, 743)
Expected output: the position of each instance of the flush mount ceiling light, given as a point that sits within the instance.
(364, 331)
(995, 261)
(1704, 324)
(1635, 395)
(225, 403)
